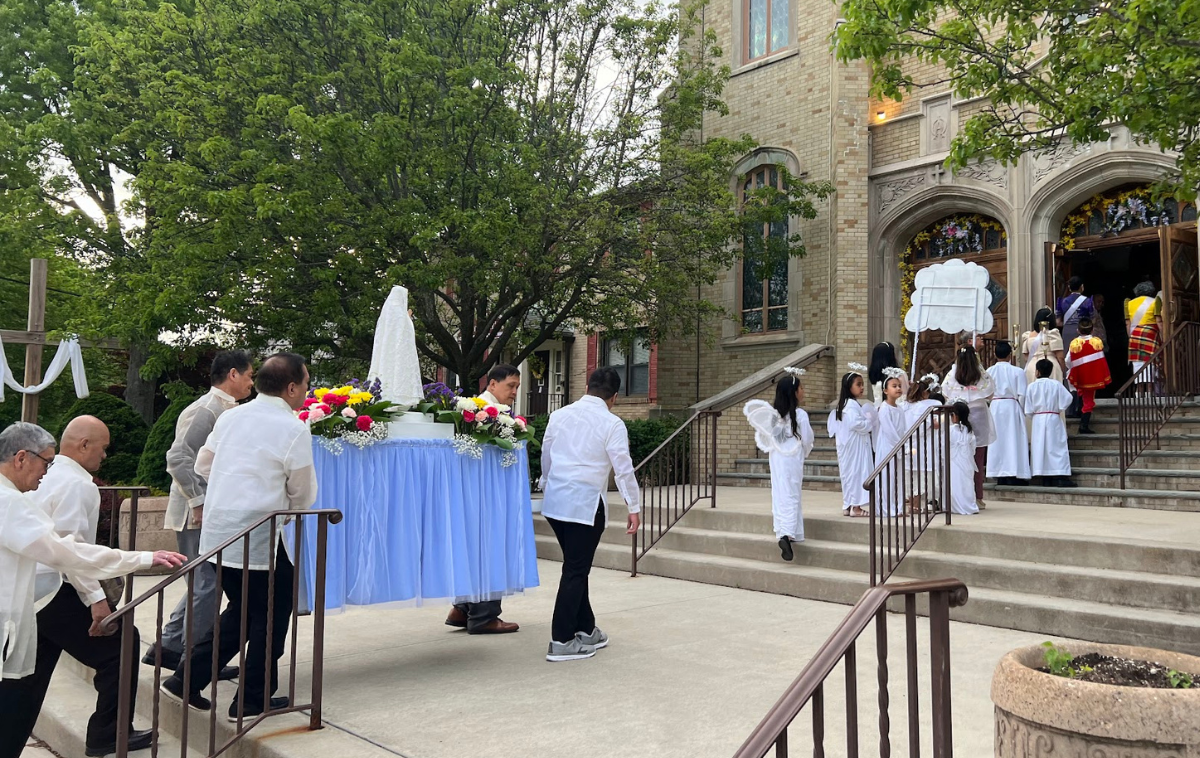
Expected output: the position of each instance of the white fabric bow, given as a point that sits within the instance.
(69, 353)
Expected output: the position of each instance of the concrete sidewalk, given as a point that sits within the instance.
(690, 671)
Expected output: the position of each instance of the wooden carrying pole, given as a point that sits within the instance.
(37, 323)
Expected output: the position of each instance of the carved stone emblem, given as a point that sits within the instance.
(892, 191)
(1060, 155)
(988, 172)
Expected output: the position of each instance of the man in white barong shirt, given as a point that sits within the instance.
(27, 538)
(257, 460)
(583, 444)
(484, 617)
(232, 376)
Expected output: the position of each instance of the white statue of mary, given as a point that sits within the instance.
(394, 356)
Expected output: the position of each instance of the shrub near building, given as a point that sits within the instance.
(126, 428)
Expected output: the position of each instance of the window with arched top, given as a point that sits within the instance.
(763, 279)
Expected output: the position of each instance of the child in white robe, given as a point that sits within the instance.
(926, 454)
(1008, 455)
(883, 358)
(782, 431)
(968, 382)
(1045, 401)
(851, 425)
(962, 462)
(892, 428)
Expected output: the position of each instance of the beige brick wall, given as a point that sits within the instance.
(892, 143)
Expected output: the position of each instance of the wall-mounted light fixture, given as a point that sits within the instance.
(881, 115)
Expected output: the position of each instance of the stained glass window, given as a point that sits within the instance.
(764, 295)
(768, 27)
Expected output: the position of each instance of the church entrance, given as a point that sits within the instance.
(1115, 241)
(975, 238)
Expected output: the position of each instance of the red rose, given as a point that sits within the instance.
(310, 402)
(333, 399)
(325, 409)
(492, 411)
(364, 423)
(469, 416)
(303, 416)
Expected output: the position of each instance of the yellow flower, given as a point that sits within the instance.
(360, 397)
(479, 402)
(320, 392)
(346, 390)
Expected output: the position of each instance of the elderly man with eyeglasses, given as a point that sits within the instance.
(27, 538)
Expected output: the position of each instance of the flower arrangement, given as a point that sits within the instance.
(354, 412)
(1119, 211)
(476, 422)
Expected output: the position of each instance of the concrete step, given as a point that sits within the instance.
(1101, 457)
(1168, 440)
(1006, 609)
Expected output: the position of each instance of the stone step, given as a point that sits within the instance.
(1094, 458)
(1168, 440)
(975, 537)
(1140, 478)
(1065, 617)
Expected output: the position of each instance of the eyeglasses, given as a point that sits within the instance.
(48, 463)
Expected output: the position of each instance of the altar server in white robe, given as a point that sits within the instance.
(1008, 455)
(783, 432)
(1045, 401)
(27, 538)
(851, 425)
(962, 462)
(891, 429)
(257, 460)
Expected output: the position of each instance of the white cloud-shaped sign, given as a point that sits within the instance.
(951, 297)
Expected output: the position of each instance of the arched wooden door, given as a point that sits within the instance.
(974, 238)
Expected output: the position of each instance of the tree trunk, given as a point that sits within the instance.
(140, 392)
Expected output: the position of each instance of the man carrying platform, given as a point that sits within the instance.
(484, 617)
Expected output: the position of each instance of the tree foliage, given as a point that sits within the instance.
(1068, 69)
(520, 166)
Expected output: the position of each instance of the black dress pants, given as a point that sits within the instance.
(572, 607)
(63, 627)
(253, 685)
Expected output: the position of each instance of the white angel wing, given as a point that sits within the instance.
(772, 433)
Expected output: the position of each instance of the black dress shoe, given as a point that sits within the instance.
(228, 674)
(138, 740)
(255, 710)
(170, 659)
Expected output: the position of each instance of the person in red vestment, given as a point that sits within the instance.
(1089, 371)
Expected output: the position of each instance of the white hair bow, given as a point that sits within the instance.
(796, 372)
(934, 380)
(891, 372)
(858, 367)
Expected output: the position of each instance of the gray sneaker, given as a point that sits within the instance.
(596, 639)
(569, 651)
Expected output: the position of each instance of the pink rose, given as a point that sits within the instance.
(522, 419)
(492, 411)
(364, 423)
(469, 416)
(303, 416)
(349, 412)
(316, 414)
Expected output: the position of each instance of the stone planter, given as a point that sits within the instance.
(151, 534)
(1039, 714)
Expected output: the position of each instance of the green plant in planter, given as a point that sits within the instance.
(1179, 680)
(1058, 661)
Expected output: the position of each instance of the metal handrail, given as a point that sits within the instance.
(1174, 370)
(808, 687)
(128, 652)
(921, 493)
(114, 522)
(665, 498)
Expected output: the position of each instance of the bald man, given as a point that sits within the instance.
(71, 620)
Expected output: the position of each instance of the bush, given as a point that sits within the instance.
(538, 423)
(152, 467)
(128, 433)
(645, 436)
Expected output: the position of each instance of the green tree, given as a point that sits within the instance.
(126, 428)
(1069, 69)
(519, 166)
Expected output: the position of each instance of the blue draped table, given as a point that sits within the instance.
(421, 523)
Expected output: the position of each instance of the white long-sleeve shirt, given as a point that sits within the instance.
(27, 538)
(191, 432)
(258, 459)
(584, 441)
(71, 499)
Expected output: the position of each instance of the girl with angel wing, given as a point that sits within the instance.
(782, 430)
(851, 425)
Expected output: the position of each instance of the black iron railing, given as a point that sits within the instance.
(680, 473)
(1152, 395)
(808, 690)
(157, 595)
(908, 490)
